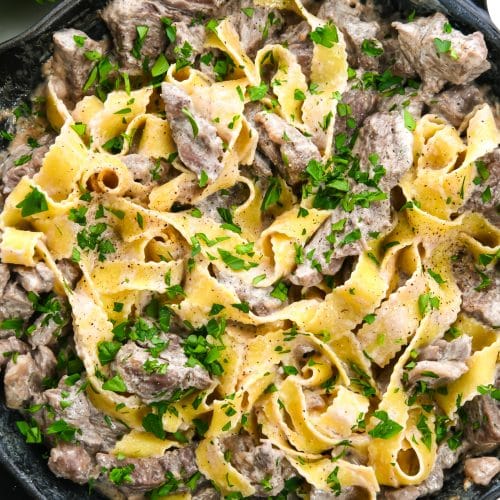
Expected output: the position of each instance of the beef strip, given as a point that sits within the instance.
(261, 166)
(208, 7)
(14, 302)
(361, 103)
(96, 431)
(70, 67)
(47, 328)
(71, 272)
(24, 376)
(411, 102)
(12, 174)
(445, 459)
(199, 150)
(385, 135)
(38, 279)
(480, 303)
(477, 202)
(251, 30)
(297, 40)
(123, 17)
(149, 473)
(482, 470)
(10, 346)
(259, 463)
(442, 362)
(73, 462)
(464, 62)
(226, 199)
(482, 423)
(288, 149)
(348, 17)
(347, 493)
(258, 298)
(456, 103)
(189, 41)
(150, 387)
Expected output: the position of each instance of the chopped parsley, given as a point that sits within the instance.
(34, 203)
(257, 93)
(386, 428)
(427, 302)
(115, 384)
(192, 121)
(272, 195)
(410, 122)
(142, 32)
(372, 48)
(326, 35)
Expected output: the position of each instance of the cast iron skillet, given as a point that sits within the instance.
(20, 62)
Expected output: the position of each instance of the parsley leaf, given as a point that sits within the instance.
(326, 35)
(257, 93)
(34, 203)
(372, 48)
(386, 428)
(115, 384)
(192, 121)
(273, 194)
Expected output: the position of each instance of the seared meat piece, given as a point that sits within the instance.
(356, 29)
(187, 36)
(96, 431)
(12, 174)
(226, 199)
(480, 201)
(413, 103)
(437, 64)
(70, 66)
(24, 377)
(258, 463)
(38, 279)
(456, 103)
(208, 7)
(297, 40)
(251, 29)
(199, 146)
(361, 103)
(71, 272)
(384, 135)
(123, 17)
(259, 299)
(152, 386)
(10, 346)
(149, 473)
(482, 470)
(206, 493)
(14, 302)
(261, 166)
(445, 459)
(478, 300)
(47, 328)
(73, 462)
(482, 427)
(348, 493)
(442, 362)
(285, 146)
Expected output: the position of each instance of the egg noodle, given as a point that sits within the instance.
(153, 243)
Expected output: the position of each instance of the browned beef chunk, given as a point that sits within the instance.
(209, 7)
(384, 135)
(207, 493)
(445, 459)
(394, 58)
(48, 328)
(10, 346)
(24, 376)
(266, 467)
(199, 146)
(73, 462)
(348, 493)
(70, 65)
(225, 199)
(413, 103)
(461, 63)
(38, 279)
(123, 17)
(285, 146)
(361, 104)
(188, 42)
(485, 199)
(478, 300)
(255, 30)
(156, 385)
(14, 302)
(482, 425)
(482, 470)
(71, 272)
(456, 103)
(12, 173)
(149, 473)
(297, 39)
(70, 403)
(261, 166)
(350, 17)
(258, 299)
(442, 362)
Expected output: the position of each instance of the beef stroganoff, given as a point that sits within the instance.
(249, 249)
